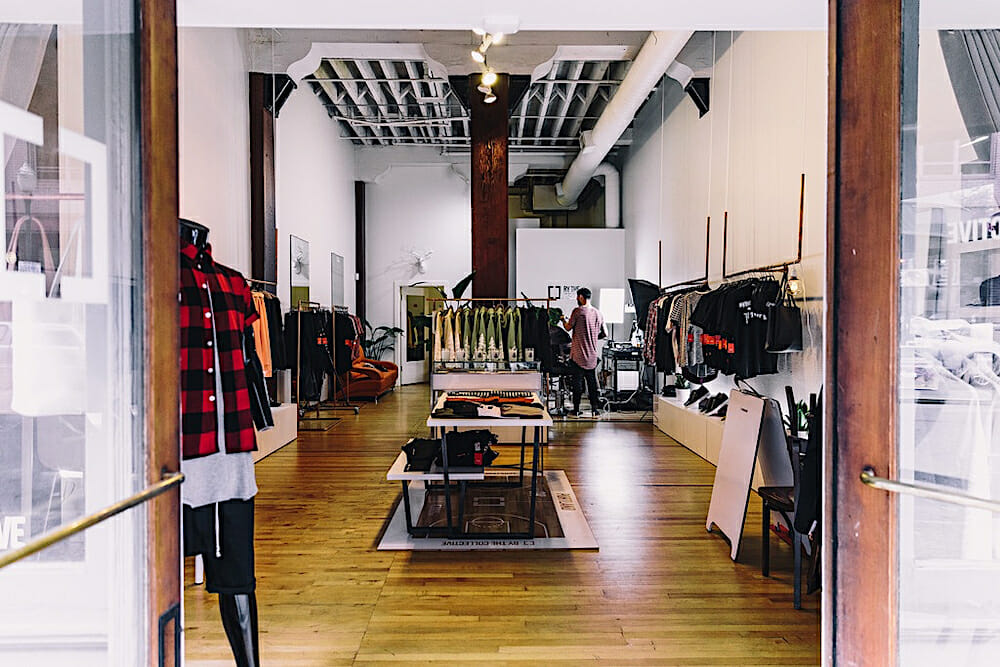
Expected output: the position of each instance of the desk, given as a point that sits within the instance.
(446, 475)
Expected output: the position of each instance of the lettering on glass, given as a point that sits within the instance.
(12, 529)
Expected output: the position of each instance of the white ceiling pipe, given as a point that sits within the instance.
(612, 194)
(650, 65)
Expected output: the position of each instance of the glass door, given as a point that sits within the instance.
(416, 308)
(948, 401)
(75, 337)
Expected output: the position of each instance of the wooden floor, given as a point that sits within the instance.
(660, 590)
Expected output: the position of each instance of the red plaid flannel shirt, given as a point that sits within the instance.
(231, 308)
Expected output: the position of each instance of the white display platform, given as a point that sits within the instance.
(285, 430)
(399, 473)
(698, 432)
(576, 530)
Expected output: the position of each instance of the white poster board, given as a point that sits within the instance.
(753, 432)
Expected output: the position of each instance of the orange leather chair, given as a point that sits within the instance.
(370, 379)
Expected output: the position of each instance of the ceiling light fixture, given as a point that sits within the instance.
(479, 31)
(478, 56)
(485, 90)
(497, 37)
(490, 98)
(489, 77)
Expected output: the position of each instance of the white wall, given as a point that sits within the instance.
(593, 258)
(314, 174)
(214, 137)
(419, 208)
(767, 125)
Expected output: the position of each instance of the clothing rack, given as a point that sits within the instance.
(346, 405)
(266, 286)
(548, 306)
(770, 268)
(304, 307)
(694, 281)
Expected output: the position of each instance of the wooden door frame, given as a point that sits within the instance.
(158, 146)
(865, 86)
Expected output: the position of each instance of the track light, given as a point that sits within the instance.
(479, 31)
(490, 99)
(489, 77)
(485, 90)
(497, 37)
(478, 56)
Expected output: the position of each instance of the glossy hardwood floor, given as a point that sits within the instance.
(660, 590)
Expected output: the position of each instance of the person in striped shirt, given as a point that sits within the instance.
(586, 323)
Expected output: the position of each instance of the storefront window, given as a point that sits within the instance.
(71, 417)
(949, 401)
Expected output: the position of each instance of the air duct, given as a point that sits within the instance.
(612, 193)
(656, 55)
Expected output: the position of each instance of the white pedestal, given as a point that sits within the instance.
(285, 430)
(698, 432)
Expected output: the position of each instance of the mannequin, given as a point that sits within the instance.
(220, 486)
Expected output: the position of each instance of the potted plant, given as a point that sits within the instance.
(379, 340)
(683, 388)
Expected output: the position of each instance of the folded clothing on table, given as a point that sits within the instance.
(469, 407)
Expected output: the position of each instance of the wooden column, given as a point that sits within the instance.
(860, 603)
(157, 70)
(263, 226)
(489, 188)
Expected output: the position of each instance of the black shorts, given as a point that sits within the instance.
(233, 572)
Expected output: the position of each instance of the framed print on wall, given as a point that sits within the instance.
(299, 269)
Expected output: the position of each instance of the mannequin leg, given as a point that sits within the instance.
(239, 618)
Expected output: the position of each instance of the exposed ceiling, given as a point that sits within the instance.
(399, 102)
(409, 88)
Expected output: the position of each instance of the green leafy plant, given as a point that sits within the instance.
(680, 382)
(801, 417)
(379, 340)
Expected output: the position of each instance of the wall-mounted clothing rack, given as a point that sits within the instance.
(693, 281)
(770, 268)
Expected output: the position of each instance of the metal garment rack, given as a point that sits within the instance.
(693, 281)
(346, 405)
(548, 307)
(305, 307)
(770, 268)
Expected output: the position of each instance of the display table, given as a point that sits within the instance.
(447, 477)
(481, 380)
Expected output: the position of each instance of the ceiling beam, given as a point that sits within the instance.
(546, 97)
(598, 70)
(353, 91)
(575, 71)
(374, 88)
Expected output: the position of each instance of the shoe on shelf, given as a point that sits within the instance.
(696, 395)
(719, 401)
(669, 392)
(721, 412)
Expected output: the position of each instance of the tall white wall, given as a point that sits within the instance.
(314, 174)
(214, 137)
(766, 126)
(420, 208)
